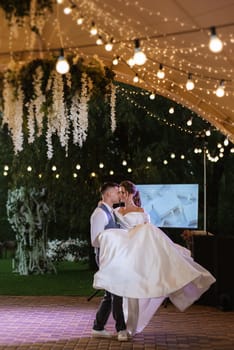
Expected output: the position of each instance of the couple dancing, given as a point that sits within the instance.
(139, 266)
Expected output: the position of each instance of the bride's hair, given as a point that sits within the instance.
(131, 188)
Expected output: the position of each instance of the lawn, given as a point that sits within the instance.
(71, 279)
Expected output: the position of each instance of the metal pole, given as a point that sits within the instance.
(204, 187)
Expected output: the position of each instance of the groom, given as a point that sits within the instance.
(101, 219)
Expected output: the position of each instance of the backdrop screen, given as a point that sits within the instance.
(171, 205)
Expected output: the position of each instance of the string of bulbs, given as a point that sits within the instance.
(139, 57)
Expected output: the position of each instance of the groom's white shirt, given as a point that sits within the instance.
(98, 221)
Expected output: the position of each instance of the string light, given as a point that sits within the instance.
(115, 61)
(171, 110)
(93, 30)
(99, 40)
(215, 44)
(190, 122)
(62, 66)
(136, 78)
(160, 73)
(109, 45)
(67, 10)
(80, 21)
(190, 84)
(220, 90)
(152, 96)
(139, 56)
(131, 62)
(226, 142)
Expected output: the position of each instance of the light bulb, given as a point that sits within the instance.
(59, 1)
(139, 56)
(171, 110)
(189, 122)
(215, 44)
(152, 96)
(220, 90)
(80, 21)
(190, 84)
(62, 66)
(67, 10)
(93, 29)
(136, 79)
(131, 62)
(115, 61)
(160, 73)
(99, 40)
(109, 46)
(226, 142)
(208, 133)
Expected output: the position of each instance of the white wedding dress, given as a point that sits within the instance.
(142, 264)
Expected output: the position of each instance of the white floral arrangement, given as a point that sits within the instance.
(69, 250)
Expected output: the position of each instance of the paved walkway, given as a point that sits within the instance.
(64, 323)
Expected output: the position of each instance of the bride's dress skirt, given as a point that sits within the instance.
(143, 264)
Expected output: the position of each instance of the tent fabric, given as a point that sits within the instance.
(173, 33)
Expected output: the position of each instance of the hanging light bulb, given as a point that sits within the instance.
(226, 142)
(93, 29)
(136, 79)
(215, 44)
(152, 95)
(115, 61)
(220, 90)
(139, 56)
(59, 1)
(131, 62)
(171, 110)
(160, 73)
(67, 10)
(99, 40)
(62, 66)
(190, 84)
(190, 122)
(109, 45)
(80, 20)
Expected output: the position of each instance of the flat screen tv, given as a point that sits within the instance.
(171, 205)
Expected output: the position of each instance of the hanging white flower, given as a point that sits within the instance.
(39, 99)
(113, 105)
(58, 121)
(79, 111)
(13, 112)
(31, 123)
(83, 108)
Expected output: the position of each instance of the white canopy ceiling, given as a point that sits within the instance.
(174, 33)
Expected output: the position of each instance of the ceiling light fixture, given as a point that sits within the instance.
(62, 65)
(215, 44)
(190, 84)
(160, 73)
(139, 56)
(109, 45)
(115, 61)
(220, 90)
(93, 29)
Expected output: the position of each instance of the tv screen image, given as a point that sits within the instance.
(171, 205)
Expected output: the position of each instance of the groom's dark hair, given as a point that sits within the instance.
(107, 185)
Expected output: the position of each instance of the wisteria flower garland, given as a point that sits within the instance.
(113, 105)
(79, 111)
(13, 111)
(35, 106)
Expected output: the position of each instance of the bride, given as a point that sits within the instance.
(142, 264)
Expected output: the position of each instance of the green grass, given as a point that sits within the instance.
(71, 279)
